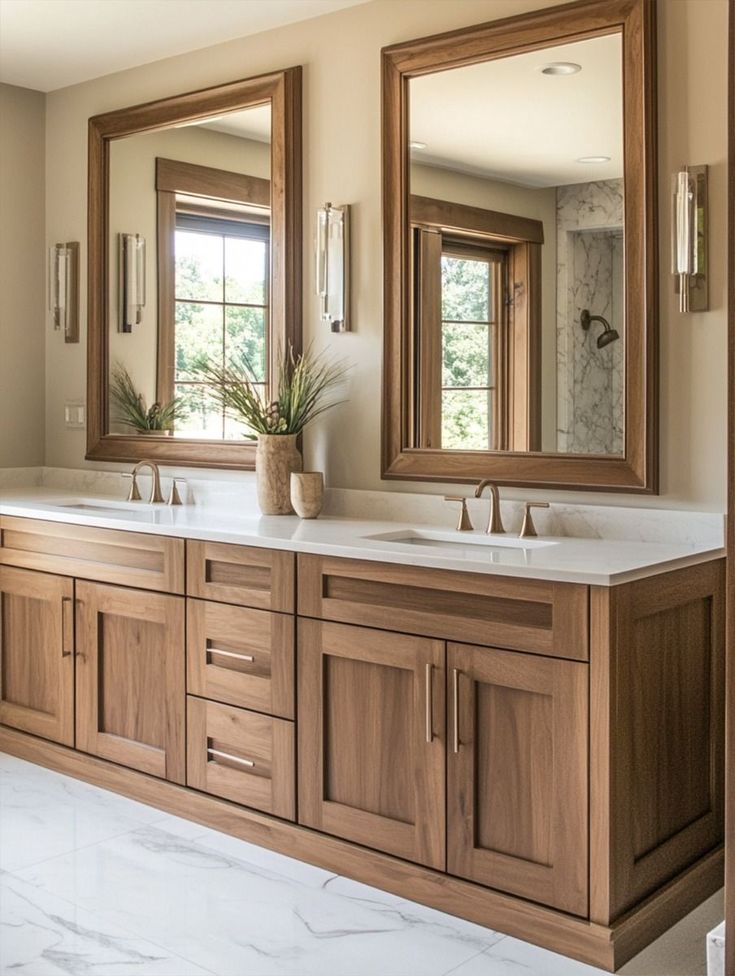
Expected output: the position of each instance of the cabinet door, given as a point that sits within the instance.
(37, 653)
(517, 785)
(371, 738)
(131, 704)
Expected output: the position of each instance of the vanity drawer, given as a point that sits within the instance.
(149, 562)
(524, 615)
(241, 656)
(241, 756)
(244, 575)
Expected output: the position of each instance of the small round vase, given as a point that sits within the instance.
(307, 493)
(276, 457)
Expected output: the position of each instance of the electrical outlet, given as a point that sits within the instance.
(75, 414)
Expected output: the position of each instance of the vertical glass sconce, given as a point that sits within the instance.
(131, 280)
(689, 238)
(63, 288)
(333, 266)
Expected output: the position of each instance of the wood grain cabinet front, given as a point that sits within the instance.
(241, 756)
(37, 653)
(241, 656)
(517, 791)
(130, 678)
(371, 738)
(244, 575)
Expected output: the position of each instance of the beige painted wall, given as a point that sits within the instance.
(22, 276)
(341, 59)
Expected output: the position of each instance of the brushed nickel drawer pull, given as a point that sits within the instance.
(227, 755)
(67, 627)
(455, 708)
(240, 657)
(429, 697)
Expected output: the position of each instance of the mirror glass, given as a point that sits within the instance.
(189, 265)
(517, 252)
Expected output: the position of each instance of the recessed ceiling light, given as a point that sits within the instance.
(593, 159)
(561, 68)
(416, 145)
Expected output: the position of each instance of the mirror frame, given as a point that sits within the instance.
(637, 469)
(283, 90)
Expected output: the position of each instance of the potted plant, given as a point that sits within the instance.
(303, 385)
(131, 409)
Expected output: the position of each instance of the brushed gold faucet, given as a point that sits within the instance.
(463, 524)
(156, 495)
(494, 522)
(528, 528)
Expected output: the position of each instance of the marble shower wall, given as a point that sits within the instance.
(590, 381)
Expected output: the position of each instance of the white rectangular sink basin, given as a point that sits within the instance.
(442, 539)
(138, 511)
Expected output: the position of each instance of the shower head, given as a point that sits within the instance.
(608, 334)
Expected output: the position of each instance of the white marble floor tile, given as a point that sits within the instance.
(44, 814)
(511, 957)
(232, 917)
(42, 935)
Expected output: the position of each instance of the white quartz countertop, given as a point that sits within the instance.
(599, 562)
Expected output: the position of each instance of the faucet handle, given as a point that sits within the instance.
(528, 528)
(174, 498)
(134, 493)
(464, 524)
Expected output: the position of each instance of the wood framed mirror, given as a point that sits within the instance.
(210, 181)
(520, 251)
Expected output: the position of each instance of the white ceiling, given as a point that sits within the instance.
(250, 123)
(506, 120)
(49, 44)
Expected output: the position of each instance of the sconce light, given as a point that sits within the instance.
(689, 238)
(333, 266)
(131, 280)
(63, 288)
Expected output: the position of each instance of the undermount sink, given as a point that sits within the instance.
(122, 510)
(441, 539)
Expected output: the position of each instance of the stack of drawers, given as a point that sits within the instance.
(240, 675)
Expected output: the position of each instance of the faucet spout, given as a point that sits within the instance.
(495, 522)
(156, 495)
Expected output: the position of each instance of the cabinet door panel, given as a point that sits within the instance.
(130, 678)
(371, 738)
(517, 774)
(37, 654)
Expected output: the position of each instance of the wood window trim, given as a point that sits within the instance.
(637, 470)
(282, 89)
(517, 397)
(174, 177)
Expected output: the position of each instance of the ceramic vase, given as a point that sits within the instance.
(276, 457)
(307, 493)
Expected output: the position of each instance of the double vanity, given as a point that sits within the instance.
(524, 732)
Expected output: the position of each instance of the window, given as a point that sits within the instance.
(472, 283)
(221, 280)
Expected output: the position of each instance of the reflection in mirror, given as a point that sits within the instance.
(199, 195)
(516, 224)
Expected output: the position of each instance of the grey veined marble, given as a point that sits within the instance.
(97, 885)
(590, 381)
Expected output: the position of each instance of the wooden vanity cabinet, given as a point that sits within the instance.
(130, 678)
(37, 653)
(371, 738)
(517, 792)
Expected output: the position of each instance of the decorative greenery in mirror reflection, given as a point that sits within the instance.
(131, 407)
(304, 383)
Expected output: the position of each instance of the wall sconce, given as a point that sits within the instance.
(63, 288)
(333, 266)
(131, 280)
(689, 238)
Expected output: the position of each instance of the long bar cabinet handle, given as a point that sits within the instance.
(429, 689)
(67, 627)
(240, 657)
(227, 755)
(455, 708)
